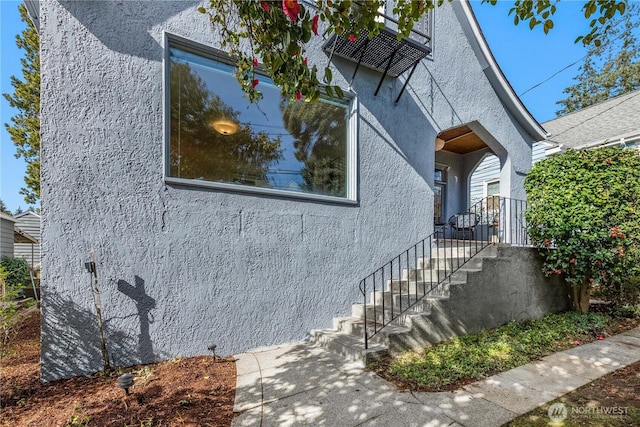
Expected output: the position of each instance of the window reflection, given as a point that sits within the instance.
(217, 135)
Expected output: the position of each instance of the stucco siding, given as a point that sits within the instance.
(181, 268)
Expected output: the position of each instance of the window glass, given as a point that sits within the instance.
(493, 188)
(217, 135)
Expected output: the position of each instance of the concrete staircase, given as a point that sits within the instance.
(442, 277)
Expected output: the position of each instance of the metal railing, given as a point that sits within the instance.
(426, 267)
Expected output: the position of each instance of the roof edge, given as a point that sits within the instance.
(8, 217)
(495, 75)
(25, 213)
(33, 10)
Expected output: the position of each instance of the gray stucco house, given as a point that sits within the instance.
(213, 223)
(611, 122)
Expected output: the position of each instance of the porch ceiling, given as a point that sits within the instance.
(461, 140)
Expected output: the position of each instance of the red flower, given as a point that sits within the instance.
(621, 235)
(255, 62)
(298, 96)
(590, 279)
(572, 260)
(352, 38)
(304, 60)
(254, 83)
(291, 9)
(559, 271)
(600, 337)
(265, 6)
(314, 25)
(608, 161)
(576, 342)
(547, 242)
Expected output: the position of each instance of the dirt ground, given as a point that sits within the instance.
(180, 392)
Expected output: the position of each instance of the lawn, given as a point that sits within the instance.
(462, 360)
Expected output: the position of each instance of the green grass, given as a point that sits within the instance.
(476, 356)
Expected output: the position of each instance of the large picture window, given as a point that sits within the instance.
(216, 136)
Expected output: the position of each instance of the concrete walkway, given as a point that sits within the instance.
(304, 385)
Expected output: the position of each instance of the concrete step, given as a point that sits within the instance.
(385, 315)
(416, 287)
(462, 249)
(437, 275)
(347, 346)
(448, 263)
(420, 325)
(418, 302)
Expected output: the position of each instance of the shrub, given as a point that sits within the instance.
(17, 272)
(583, 216)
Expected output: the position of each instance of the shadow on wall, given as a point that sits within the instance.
(97, 18)
(144, 305)
(65, 324)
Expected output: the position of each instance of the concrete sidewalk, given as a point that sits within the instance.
(304, 385)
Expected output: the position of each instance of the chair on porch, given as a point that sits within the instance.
(464, 224)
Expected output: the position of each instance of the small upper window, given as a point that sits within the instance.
(217, 136)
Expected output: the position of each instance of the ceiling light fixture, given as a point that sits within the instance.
(225, 126)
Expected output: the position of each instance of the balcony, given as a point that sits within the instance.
(384, 53)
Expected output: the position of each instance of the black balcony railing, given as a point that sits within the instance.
(425, 268)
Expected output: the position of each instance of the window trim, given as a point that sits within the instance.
(485, 187)
(197, 48)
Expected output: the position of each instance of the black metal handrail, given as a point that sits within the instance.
(424, 268)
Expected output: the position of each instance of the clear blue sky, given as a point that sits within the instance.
(526, 57)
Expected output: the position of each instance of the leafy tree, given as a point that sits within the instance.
(25, 127)
(198, 151)
(3, 207)
(583, 216)
(609, 70)
(320, 131)
(275, 33)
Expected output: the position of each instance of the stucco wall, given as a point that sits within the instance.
(181, 268)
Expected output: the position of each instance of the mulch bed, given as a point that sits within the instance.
(181, 392)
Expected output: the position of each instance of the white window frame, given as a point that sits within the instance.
(485, 187)
(351, 197)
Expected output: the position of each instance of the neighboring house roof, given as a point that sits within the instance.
(33, 9)
(23, 214)
(615, 120)
(7, 217)
(493, 72)
(20, 236)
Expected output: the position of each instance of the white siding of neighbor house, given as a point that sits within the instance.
(6, 236)
(489, 170)
(538, 152)
(29, 222)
